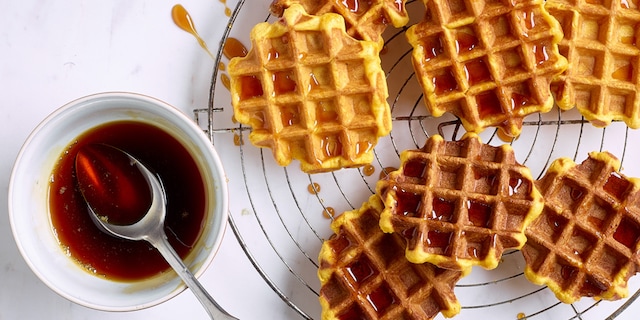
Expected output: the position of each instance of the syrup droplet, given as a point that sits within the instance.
(328, 212)
(222, 66)
(226, 81)
(521, 316)
(237, 140)
(250, 87)
(444, 82)
(283, 82)
(234, 48)
(227, 10)
(313, 188)
(183, 20)
(368, 170)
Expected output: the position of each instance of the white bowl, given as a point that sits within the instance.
(29, 206)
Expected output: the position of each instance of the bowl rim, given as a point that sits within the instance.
(177, 117)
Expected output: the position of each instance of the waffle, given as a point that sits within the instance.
(602, 44)
(586, 241)
(364, 274)
(489, 62)
(364, 20)
(459, 203)
(311, 92)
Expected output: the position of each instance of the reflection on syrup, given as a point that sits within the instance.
(183, 20)
(541, 53)
(466, 42)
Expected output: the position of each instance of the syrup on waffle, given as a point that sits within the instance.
(459, 203)
(489, 62)
(364, 19)
(586, 242)
(602, 43)
(364, 274)
(311, 92)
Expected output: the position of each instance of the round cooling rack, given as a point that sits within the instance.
(279, 214)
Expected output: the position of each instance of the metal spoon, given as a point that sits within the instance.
(149, 228)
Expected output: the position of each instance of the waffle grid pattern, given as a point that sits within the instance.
(310, 92)
(586, 241)
(602, 43)
(459, 203)
(364, 274)
(364, 20)
(488, 62)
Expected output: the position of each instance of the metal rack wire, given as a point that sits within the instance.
(283, 226)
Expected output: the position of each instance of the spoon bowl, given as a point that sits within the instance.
(96, 177)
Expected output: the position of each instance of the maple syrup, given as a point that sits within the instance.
(624, 73)
(313, 188)
(331, 146)
(283, 82)
(479, 213)
(477, 72)
(183, 20)
(444, 82)
(442, 210)
(368, 170)
(226, 81)
(439, 239)
(432, 48)
(329, 212)
(616, 186)
(233, 48)
(408, 203)
(488, 104)
(361, 270)
(628, 233)
(250, 87)
(466, 42)
(117, 258)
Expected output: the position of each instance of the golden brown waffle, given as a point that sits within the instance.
(459, 203)
(586, 241)
(365, 20)
(489, 62)
(311, 92)
(364, 274)
(602, 44)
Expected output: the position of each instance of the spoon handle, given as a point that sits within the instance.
(213, 309)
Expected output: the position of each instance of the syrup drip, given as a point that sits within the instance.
(313, 188)
(226, 81)
(368, 170)
(234, 48)
(183, 20)
(227, 10)
(237, 140)
(521, 316)
(328, 212)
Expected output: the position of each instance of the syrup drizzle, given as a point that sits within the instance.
(183, 20)
(227, 10)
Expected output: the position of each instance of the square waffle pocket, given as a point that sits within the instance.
(459, 203)
(311, 92)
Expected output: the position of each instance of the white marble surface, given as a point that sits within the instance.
(52, 52)
(56, 51)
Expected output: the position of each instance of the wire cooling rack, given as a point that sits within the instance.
(280, 216)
